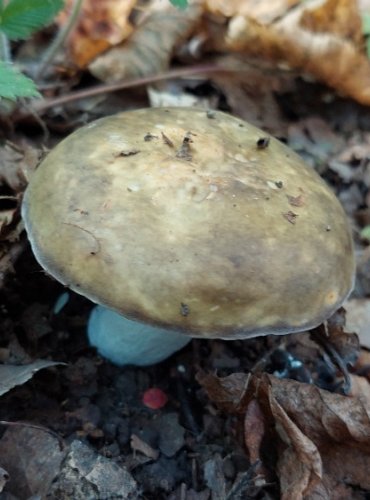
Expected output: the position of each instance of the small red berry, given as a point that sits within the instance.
(154, 398)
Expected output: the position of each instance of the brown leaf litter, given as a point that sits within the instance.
(322, 439)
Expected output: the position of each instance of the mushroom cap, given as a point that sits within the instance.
(193, 221)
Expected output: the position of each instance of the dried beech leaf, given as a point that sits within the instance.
(320, 37)
(149, 49)
(346, 344)
(13, 166)
(358, 319)
(315, 429)
(101, 25)
(13, 375)
(299, 450)
(339, 17)
(360, 388)
(228, 393)
(263, 11)
(254, 430)
(338, 427)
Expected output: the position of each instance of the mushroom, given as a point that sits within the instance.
(194, 223)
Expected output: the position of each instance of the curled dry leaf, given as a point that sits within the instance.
(149, 49)
(12, 375)
(346, 344)
(101, 25)
(4, 478)
(315, 429)
(263, 11)
(358, 319)
(138, 444)
(254, 431)
(319, 37)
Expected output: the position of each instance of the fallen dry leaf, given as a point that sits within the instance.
(149, 49)
(314, 430)
(138, 444)
(346, 344)
(360, 388)
(254, 431)
(261, 10)
(322, 38)
(15, 162)
(4, 478)
(13, 375)
(358, 319)
(101, 24)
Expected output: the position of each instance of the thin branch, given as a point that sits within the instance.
(45, 104)
(59, 40)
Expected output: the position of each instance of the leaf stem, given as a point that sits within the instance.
(59, 40)
(4, 48)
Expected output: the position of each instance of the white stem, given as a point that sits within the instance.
(126, 342)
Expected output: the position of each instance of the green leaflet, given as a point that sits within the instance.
(181, 4)
(20, 18)
(13, 84)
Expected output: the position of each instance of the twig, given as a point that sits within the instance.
(319, 336)
(43, 105)
(58, 41)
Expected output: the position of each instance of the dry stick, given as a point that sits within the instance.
(42, 106)
(59, 40)
(318, 335)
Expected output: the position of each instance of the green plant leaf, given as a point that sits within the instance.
(180, 4)
(20, 18)
(366, 24)
(13, 84)
(365, 233)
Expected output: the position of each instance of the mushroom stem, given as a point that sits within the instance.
(126, 342)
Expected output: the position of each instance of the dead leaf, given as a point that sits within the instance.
(358, 319)
(322, 38)
(13, 375)
(299, 462)
(149, 49)
(315, 429)
(138, 444)
(360, 388)
(254, 430)
(14, 164)
(101, 24)
(339, 17)
(346, 344)
(264, 11)
(231, 394)
(4, 478)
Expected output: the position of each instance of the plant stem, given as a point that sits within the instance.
(4, 48)
(59, 40)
